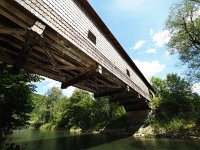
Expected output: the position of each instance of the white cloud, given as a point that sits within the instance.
(196, 88)
(69, 91)
(49, 83)
(138, 45)
(149, 69)
(152, 51)
(161, 38)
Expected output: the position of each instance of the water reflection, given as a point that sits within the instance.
(131, 143)
(59, 140)
(62, 140)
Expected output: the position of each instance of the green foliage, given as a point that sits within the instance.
(39, 104)
(184, 26)
(78, 111)
(52, 96)
(175, 124)
(46, 107)
(81, 109)
(15, 100)
(174, 104)
(91, 113)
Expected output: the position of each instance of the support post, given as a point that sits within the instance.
(32, 37)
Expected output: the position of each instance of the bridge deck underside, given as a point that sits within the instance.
(53, 56)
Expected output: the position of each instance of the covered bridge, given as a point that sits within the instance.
(67, 41)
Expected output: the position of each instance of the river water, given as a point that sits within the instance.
(63, 140)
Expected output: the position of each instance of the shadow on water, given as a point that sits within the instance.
(62, 140)
(77, 142)
(131, 143)
(165, 144)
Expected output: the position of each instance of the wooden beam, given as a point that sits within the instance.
(70, 55)
(120, 97)
(109, 92)
(12, 17)
(10, 42)
(129, 101)
(80, 86)
(108, 80)
(33, 36)
(83, 76)
(23, 18)
(106, 86)
(11, 31)
(4, 57)
(67, 48)
(67, 68)
(30, 42)
(51, 58)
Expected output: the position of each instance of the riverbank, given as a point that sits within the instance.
(152, 132)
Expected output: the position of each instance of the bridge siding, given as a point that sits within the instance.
(83, 25)
(64, 17)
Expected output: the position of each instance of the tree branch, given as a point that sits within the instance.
(190, 36)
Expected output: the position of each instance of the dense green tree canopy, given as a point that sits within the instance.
(175, 98)
(15, 100)
(184, 26)
(80, 110)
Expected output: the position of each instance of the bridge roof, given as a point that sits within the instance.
(99, 22)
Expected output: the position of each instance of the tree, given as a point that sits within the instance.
(81, 109)
(174, 98)
(52, 96)
(184, 26)
(15, 97)
(78, 95)
(61, 112)
(38, 113)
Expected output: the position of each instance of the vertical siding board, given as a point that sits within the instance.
(69, 20)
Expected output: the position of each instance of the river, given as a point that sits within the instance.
(63, 140)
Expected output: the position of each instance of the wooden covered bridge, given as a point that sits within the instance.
(67, 41)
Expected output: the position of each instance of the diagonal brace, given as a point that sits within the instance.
(83, 76)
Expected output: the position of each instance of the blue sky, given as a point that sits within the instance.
(139, 27)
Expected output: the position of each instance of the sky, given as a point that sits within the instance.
(139, 26)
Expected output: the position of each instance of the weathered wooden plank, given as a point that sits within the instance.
(11, 42)
(109, 92)
(90, 72)
(130, 100)
(51, 58)
(68, 51)
(11, 60)
(12, 17)
(11, 31)
(69, 68)
(23, 19)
